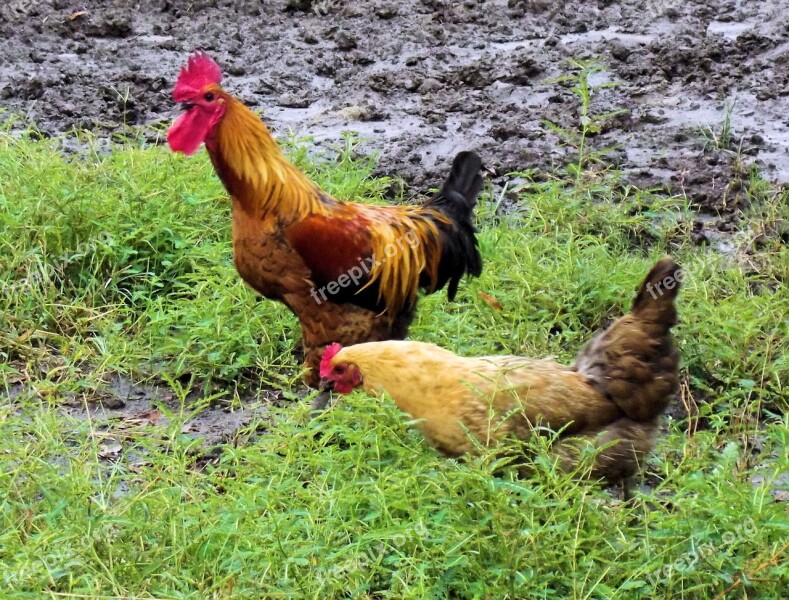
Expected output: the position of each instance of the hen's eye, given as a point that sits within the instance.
(209, 97)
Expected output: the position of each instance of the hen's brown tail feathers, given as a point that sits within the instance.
(456, 201)
(634, 362)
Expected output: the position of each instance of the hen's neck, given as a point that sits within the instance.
(254, 170)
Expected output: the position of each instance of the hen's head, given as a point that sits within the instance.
(344, 377)
(204, 102)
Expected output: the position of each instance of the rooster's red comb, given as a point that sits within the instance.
(200, 70)
(329, 352)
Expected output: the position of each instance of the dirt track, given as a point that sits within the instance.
(421, 79)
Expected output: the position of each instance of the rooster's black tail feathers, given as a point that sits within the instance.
(456, 200)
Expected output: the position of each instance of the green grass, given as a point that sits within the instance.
(120, 263)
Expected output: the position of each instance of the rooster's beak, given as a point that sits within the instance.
(325, 384)
(185, 106)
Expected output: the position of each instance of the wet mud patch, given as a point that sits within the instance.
(218, 422)
(125, 415)
(422, 79)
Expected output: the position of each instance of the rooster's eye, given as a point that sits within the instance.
(340, 370)
(209, 97)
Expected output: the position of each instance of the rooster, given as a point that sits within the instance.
(613, 396)
(349, 272)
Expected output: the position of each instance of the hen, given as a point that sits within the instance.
(350, 272)
(613, 396)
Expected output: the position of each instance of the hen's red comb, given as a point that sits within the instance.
(329, 352)
(200, 70)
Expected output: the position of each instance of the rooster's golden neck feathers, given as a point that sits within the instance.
(260, 177)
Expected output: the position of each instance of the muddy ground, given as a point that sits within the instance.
(421, 79)
(120, 409)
